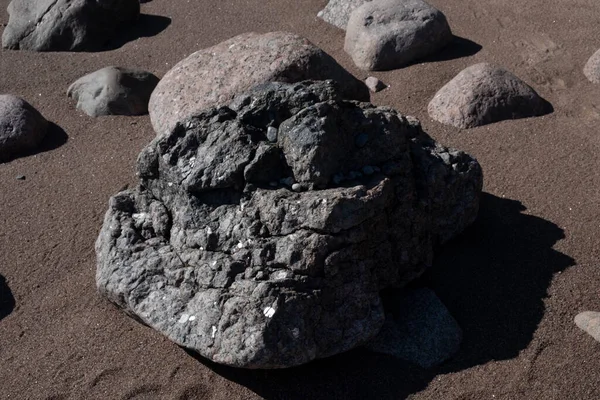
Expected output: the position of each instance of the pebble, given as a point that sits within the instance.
(297, 187)
(589, 321)
(374, 84)
(361, 140)
(20, 177)
(272, 134)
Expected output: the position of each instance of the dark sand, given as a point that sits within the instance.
(514, 281)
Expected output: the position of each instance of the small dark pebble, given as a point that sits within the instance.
(21, 177)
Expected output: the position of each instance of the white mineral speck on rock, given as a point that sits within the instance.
(240, 245)
(214, 331)
(269, 312)
(193, 317)
(184, 318)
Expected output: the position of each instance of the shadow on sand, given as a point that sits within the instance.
(7, 301)
(493, 279)
(146, 26)
(55, 137)
(458, 47)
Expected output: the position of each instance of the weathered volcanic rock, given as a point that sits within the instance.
(389, 34)
(114, 91)
(420, 330)
(589, 321)
(22, 127)
(592, 68)
(213, 253)
(66, 25)
(482, 94)
(213, 76)
(337, 12)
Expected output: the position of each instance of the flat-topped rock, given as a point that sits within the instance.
(66, 25)
(114, 91)
(390, 34)
(22, 127)
(482, 94)
(268, 248)
(213, 76)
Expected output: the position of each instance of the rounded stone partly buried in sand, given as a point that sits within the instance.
(65, 25)
(114, 91)
(212, 76)
(482, 94)
(592, 68)
(22, 127)
(589, 321)
(389, 34)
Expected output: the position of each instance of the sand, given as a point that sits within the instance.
(514, 281)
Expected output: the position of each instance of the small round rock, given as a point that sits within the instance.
(592, 68)
(374, 84)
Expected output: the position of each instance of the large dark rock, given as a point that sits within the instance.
(66, 25)
(113, 91)
(389, 34)
(482, 94)
(211, 251)
(212, 77)
(22, 127)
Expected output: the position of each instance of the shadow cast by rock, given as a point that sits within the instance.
(493, 279)
(7, 301)
(55, 137)
(146, 26)
(459, 47)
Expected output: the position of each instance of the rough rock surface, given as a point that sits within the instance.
(589, 321)
(217, 255)
(420, 330)
(389, 34)
(591, 70)
(337, 12)
(114, 91)
(22, 127)
(213, 76)
(66, 25)
(482, 94)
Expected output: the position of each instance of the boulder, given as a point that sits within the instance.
(419, 330)
(113, 91)
(337, 12)
(66, 25)
(592, 68)
(390, 34)
(482, 94)
(262, 254)
(213, 76)
(22, 127)
(589, 322)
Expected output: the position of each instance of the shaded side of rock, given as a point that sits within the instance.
(22, 127)
(389, 34)
(114, 91)
(213, 76)
(591, 70)
(337, 12)
(589, 321)
(65, 25)
(420, 330)
(482, 94)
(249, 274)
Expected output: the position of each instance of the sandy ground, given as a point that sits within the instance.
(514, 281)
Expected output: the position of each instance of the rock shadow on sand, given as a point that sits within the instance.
(7, 301)
(493, 278)
(55, 137)
(146, 26)
(458, 47)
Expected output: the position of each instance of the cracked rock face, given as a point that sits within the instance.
(262, 231)
(65, 25)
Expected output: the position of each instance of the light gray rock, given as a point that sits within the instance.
(592, 68)
(337, 12)
(390, 34)
(22, 127)
(420, 330)
(209, 253)
(374, 84)
(482, 94)
(66, 25)
(114, 91)
(589, 321)
(213, 76)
